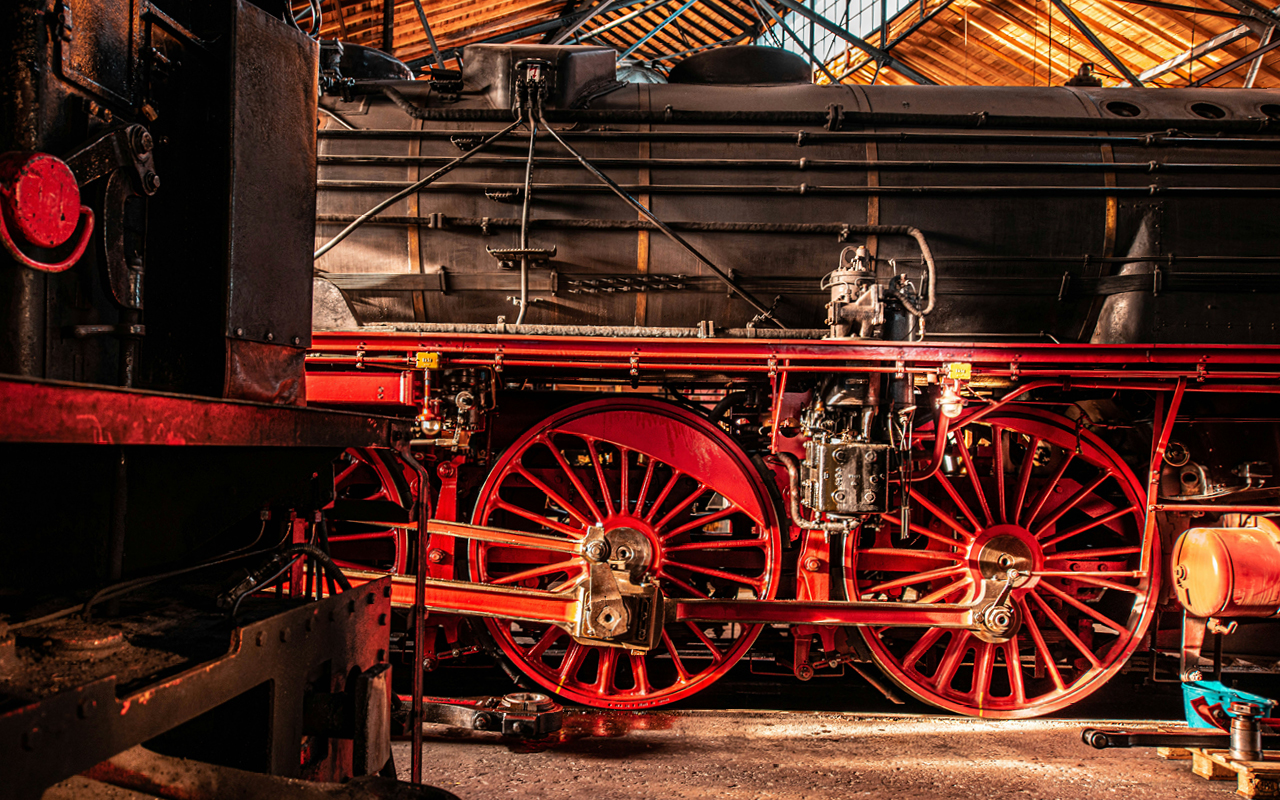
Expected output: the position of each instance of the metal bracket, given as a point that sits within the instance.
(526, 715)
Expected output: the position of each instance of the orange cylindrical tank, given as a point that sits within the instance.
(1229, 571)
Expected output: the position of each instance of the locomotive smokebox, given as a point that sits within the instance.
(1229, 571)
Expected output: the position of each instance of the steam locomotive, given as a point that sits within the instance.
(643, 377)
(930, 379)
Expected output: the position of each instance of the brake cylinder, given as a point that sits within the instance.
(1229, 571)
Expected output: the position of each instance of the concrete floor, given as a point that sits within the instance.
(761, 754)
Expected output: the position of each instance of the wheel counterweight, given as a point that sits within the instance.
(1019, 489)
(676, 493)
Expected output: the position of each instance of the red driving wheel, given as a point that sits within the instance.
(370, 518)
(1023, 489)
(645, 466)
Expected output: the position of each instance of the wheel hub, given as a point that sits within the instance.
(1001, 548)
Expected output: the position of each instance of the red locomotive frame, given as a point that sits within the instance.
(387, 368)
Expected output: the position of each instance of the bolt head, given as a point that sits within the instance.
(812, 564)
(436, 556)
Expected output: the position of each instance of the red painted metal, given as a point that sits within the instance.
(51, 412)
(369, 520)
(649, 467)
(40, 205)
(380, 388)
(986, 358)
(1229, 571)
(1074, 521)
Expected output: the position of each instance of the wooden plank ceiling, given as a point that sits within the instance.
(952, 42)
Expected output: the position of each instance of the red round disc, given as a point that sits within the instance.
(40, 197)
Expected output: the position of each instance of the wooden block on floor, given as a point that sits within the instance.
(1174, 753)
(1254, 779)
(1204, 765)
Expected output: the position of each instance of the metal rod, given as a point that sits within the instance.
(431, 38)
(524, 222)
(813, 138)
(1254, 57)
(804, 189)
(589, 14)
(1252, 75)
(853, 120)
(1097, 43)
(1202, 49)
(1198, 10)
(813, 59)
(670, 234)
(398, 196)
(811, 164)
(915, 26)
(656, 29)
(625, 18)
(861, 44)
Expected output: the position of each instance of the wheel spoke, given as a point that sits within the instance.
(607, 671)
(662, 496)
(1105, 584)
(997, 444)
(1024, 476)
(537, 518)
(922, 646)
(1042, 649)
(948, 590)
(573, 479)
(554, 496)
(681, 507)
(700, 522)
(1096, 615)
(951, 658)
(1046, 492)
(923, 531)
(573, 656)
(983, 666)
(1066, 630)
(644, 488)
(719, 544)
(598, 465)
(624, 491)
(676, 661)
(640, 669)
(955, 498)
(1062, 537)
(346, 473)
(1089, 555)
(963, 449)
(936, 555)
(1071, 503)
(549, 637)
(662, 573)
(716, 655)
(942, 515)
(1013, 664)
(569, 566)
(754, 583)
(918, 578)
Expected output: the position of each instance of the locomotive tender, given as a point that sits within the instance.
(955, 366)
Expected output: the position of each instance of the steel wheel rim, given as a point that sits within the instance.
(1087, 526)
(670, 509)
(367, 540)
